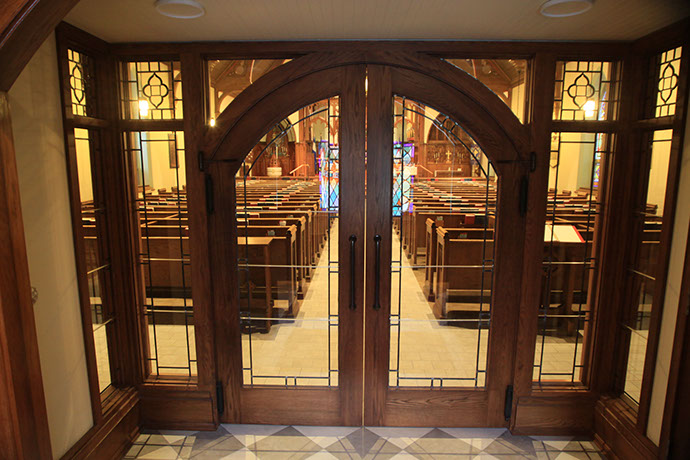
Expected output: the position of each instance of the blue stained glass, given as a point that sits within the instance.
(329, 168)
(403, 176)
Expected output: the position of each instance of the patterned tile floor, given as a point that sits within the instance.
(268, 442)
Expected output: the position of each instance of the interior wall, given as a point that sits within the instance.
(574, 163)
(41, 165)
(517, 101)
(658, 171)
(672, 298)
(162, 175)
(83, 153)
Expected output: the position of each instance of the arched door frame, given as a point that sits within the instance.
(314, 77)
(504, 124)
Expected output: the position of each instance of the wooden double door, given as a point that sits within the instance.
(370, 339)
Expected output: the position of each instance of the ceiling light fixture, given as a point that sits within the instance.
(180, 9)
(565, 8)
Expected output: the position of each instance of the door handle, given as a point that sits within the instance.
(377, 272)
(353, 240)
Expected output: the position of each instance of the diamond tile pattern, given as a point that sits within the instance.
(269, 442)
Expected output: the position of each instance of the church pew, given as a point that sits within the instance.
(303, 247)
(287, 284)
(417, 226)
(432, 232)
(469, 285)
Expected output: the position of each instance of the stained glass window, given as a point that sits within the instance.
(404, 170)
(329, 166)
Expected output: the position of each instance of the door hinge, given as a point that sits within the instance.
(201, 161)
(532, 161)
(220, 398)
(508, 409)
(209, 194)
(524, 187)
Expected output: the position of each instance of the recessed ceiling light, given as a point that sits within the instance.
(180, 9)
(565, 8)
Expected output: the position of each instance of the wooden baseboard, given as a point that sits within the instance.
(177, 409)
(111, 438)
(554, 414)
(616, 434)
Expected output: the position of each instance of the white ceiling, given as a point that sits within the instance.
(137, 20)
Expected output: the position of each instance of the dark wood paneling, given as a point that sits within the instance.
(152, 125)
(450, 49)
(575, 126)
(22, 379)
(176, 408)
(301, 406)
(555, 414)
(419, 407)
(378, 221)
(614, 427)
(351, 222)
(222, 247)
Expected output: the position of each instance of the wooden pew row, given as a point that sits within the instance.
(435, 230)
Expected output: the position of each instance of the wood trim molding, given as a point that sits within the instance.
(495, 116)
(24, 419)
(450, 49)
(71, 169)
(26, 33)
(543, 70)
(555, 413)
(674, 430)
(112, 438)
(615, 432)
(177, 407)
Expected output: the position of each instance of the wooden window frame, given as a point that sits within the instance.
(117, 404)
(622, 424)
(648, 126)
(161, 398)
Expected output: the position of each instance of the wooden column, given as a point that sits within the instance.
(23, 416)
(194, 125)
(543, 77)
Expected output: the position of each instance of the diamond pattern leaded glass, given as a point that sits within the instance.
(585, 90)
(81, 84)
(151, 90)
(663, 83)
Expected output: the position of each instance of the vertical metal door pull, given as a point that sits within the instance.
(377, 272)
(353, 304)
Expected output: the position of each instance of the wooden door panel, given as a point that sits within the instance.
(396, 403)
(255, 393)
